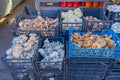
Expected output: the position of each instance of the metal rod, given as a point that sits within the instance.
(71, 0)
(37, 6)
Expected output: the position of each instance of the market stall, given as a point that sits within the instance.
(70, 40)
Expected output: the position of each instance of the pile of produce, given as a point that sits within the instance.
(94, 23)
(116, 27)
(24, 47)
(52, 52)
(72, 17)
(39, 24)
(114, 8)
(90, 40)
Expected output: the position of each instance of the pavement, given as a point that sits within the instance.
(6, 36)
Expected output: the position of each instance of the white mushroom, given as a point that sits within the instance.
(52, 53)
(23, 47)
(9, 51)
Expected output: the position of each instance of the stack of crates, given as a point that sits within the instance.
(81, 67)
(22, 68)
(49, 70)
(78, 63)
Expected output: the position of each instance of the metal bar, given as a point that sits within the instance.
(37, 6)
(71, 0)
(105, 6)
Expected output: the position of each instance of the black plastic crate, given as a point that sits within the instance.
(22, 64)
(115, 16)
(64, 26)
(99, 13)
(44, 13)
(17, 67)
(87, 69)
(84, 26)
(16, 32)
(24, 67)
(114, 73)
(48, 73)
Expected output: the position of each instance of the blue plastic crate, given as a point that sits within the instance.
(75, 51)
